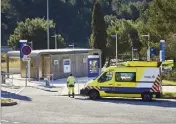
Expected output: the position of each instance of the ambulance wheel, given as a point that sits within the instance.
(147, 97)
(93, 94)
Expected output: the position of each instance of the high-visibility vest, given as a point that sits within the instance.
(70, 80)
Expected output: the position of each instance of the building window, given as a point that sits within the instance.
(125, 77)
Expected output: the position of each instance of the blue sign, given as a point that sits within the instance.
(26, 50)
(153, 52)
(93, 65)
(67, 62)
(22, 43)
(162, 48)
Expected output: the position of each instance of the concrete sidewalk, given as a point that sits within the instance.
(54, 85)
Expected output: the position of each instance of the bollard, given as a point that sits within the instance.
(47, 82)
(3, 78)
(26, 77)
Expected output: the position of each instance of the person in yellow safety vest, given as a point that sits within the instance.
(70, 85)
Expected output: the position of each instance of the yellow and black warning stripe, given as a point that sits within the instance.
(93, 87)
(157, 85)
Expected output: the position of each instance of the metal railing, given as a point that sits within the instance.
(7, 78)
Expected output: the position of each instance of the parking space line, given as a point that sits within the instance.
(4, 121)
(9, 121)
(15, 122)
(20, 90)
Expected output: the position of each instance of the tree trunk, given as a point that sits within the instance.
(109, 60)
(103, 57)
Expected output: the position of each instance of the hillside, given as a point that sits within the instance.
(72, 17)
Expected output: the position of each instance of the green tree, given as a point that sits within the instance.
(32, 30)
(162, 15)
(60, 41)
(98, 36)
(127, 36)
(8, 22)
(171, 47)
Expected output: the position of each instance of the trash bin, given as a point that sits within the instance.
(3, 77)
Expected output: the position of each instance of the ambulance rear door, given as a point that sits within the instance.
(148, 79)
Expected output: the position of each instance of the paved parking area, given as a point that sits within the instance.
(50, 108)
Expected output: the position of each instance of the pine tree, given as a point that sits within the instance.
(98, 36)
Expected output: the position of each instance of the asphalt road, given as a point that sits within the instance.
(42, 107)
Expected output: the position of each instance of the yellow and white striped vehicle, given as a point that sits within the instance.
(135, 80)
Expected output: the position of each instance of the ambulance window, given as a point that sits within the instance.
(107, 76)
(125, 77)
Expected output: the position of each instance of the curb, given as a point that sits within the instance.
(67, 95)
(174, 98)
(9, 104)
(45, 89)
(169, 85)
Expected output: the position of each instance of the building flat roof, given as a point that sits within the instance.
(35, 53)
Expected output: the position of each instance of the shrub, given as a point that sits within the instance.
(170, 76)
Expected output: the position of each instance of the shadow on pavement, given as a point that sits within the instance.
(158, 102)
(6, 94)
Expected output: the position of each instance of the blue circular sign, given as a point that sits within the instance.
(26, 50)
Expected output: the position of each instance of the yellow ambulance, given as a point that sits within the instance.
(134, 80)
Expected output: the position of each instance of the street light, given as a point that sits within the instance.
(148, 45)
(55, 36)
(72, 45)
(132, 55)
(116, 43)
(48, 42)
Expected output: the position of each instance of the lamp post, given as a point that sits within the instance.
(116, 44)
(48, 42)
(55, 36)
(72, 45)
(148, 45)
(116, 47)
(132, 55)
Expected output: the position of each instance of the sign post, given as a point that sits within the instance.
(162, 49)
(22, 43)
(26, 51)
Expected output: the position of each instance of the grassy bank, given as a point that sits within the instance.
(168, 95)
(7, 102)
(13, 62)
(169, 83)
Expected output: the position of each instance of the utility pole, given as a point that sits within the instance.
(55, 36)
(116, 44)
(116, 50)
(48, 42)
(73, 45)
(148, 46)
(132, 53)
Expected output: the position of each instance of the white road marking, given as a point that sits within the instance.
(20, 90)
(15, 122)
(4, 121)
(9, 121)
